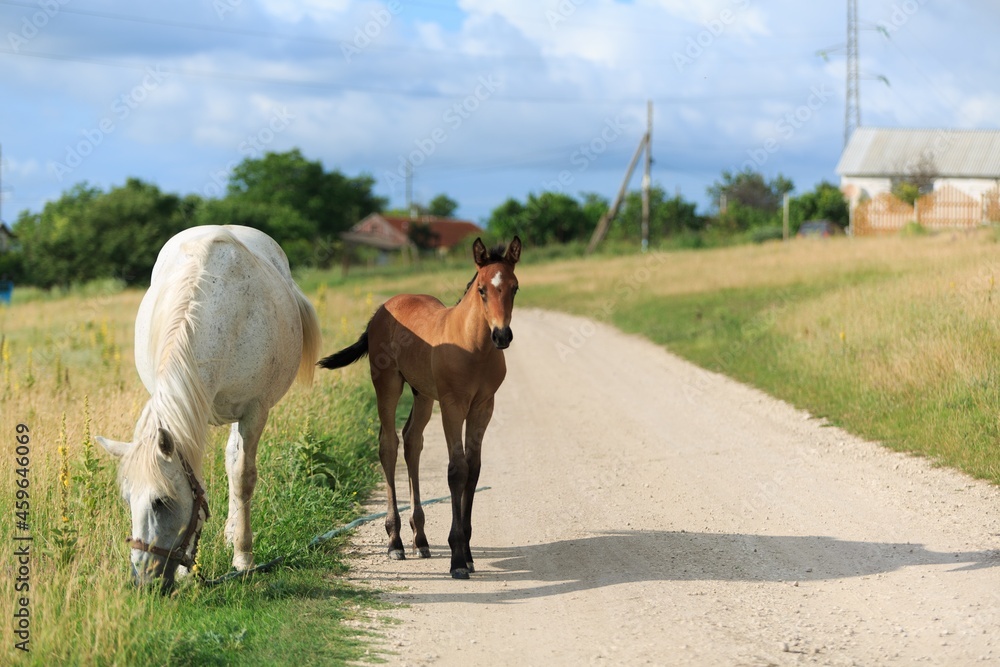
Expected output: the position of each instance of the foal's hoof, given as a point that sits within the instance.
(470, 567)
(424, 552)
(397, 554)
(460, 573)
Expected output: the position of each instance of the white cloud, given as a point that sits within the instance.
(321, 11)
(13, 166)
(562, 79)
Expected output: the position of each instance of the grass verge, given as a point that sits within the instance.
(894, 339)
(66, 374)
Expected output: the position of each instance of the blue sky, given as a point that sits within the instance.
(489, 99)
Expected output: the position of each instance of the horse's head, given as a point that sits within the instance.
(496, 284)
(166, 501)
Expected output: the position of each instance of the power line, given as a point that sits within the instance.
(338, 43)
(375, 90)
(539, 18)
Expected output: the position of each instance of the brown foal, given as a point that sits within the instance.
(450, 355)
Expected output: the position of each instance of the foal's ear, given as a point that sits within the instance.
(480, 253)
(114, 447)
(166, 443)
(514, 250)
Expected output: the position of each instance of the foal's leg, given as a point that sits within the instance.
(241, 466)
(475, 429)
(388, 387)
(453, 414)
(413, 444)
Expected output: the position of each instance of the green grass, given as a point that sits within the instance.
(881, 380)
(951, 419)
(66, 372)
(893, 339)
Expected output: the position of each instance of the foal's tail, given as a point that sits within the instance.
(348, 355)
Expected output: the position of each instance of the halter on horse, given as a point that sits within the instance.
(195, 524)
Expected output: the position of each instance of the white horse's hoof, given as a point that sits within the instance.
(243, 560)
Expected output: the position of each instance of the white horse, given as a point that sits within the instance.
(219, 337)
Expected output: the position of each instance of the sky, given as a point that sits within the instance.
(487, 99)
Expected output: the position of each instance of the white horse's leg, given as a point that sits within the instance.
(233, 447)
(241, 466)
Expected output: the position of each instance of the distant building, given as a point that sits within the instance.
(877, 157)
(958, 171)
(390, 233)
(7, 237)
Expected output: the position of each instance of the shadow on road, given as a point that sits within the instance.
(608, 559)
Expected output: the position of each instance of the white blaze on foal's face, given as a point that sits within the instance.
(497, 279)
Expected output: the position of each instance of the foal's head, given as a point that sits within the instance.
(496, 284)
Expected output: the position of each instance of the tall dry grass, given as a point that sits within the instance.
(67, 374)
(897, 339)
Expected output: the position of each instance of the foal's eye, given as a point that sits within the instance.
(514, 291)
(482, 292)
(159, 504)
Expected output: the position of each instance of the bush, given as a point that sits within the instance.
(768, 233)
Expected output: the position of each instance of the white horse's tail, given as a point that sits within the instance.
(311, 340)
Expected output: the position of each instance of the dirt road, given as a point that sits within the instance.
(643, 511)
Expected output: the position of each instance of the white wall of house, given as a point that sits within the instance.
(854, 187)
(974, 187)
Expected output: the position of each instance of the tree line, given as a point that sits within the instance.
(89, 233)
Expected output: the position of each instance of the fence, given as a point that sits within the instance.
(945, 208)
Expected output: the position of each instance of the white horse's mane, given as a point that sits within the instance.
(180, 403)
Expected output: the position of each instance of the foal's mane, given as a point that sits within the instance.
(179, 403)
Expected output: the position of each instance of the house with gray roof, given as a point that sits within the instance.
(877, 157)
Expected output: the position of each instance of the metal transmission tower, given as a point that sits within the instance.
(852, 106)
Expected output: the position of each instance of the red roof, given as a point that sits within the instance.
(391, 232)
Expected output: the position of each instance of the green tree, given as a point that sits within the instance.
(331, 200)
(281, 222)
(131, 224)
(442, 206)
(509, 219)
(666, 216)
(594, 206)
(88, 234)
(824, 202)
(751, 200)
(551, 217)
(917, 180)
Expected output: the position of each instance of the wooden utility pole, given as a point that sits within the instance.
(646, 176)
(602, 225)
(784, 218)
(409, 190)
